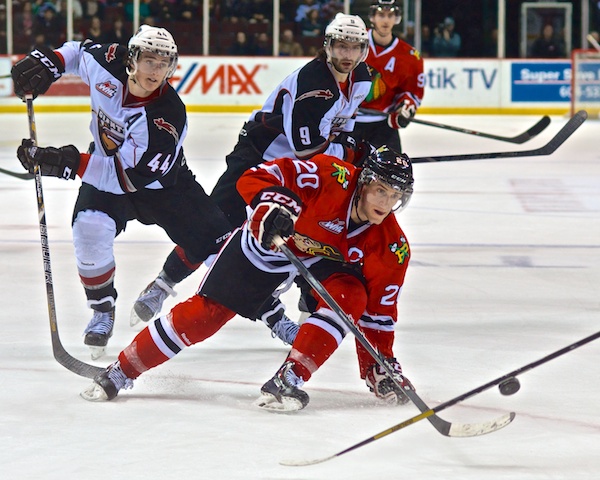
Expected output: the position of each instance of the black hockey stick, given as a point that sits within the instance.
(442, 426)
(60, 354)
(521, 138)
(573, 124)
(22, 176)
(449, 403)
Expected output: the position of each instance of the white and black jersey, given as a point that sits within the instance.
(138, 142)
(305, 110)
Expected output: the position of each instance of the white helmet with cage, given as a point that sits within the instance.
(155, 40)
(389, 5)
(349, 28)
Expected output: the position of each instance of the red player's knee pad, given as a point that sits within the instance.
(348, 291)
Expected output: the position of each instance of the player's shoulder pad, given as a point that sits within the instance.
(408, 49)
(361, 73)
(315, 80)
(167, 113)
(111, 56)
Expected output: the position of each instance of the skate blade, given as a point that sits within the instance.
(94, 393)
(135, 318)
(269, 403)
(97, 352)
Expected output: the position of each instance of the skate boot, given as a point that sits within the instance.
(98, 331)
(382, 385)
(285, 329)
(282, 393)
(107, 384)
(150, 302)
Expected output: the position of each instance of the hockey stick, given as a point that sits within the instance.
(442, 426)
(573, 124)
(449, 403)
(60, 354)
(22, 176)
(593, 41)
(521, 138)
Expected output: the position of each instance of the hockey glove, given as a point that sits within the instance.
(54, 162)
(276, 210)
(36, 72)
(355, 152)
(384, 387)
(402, 117)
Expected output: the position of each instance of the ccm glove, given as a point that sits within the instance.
(276, 210)
(402, 117)
(36, 72)
(380, 383)
(54, 162)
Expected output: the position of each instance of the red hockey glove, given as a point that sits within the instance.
(36, 72)
(54, 162)
(384, 387)
(402, 117)
(276, 210)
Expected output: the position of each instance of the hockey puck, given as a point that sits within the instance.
(510, 386)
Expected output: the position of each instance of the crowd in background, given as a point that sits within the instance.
(237, 27)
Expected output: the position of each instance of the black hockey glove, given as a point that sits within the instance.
(380, 383)
(54, 162)
(276, 210)
(356, 152)
(36, 72)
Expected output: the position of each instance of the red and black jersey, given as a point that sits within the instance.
(327, 187)
(397, 73)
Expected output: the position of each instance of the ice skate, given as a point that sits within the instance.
(382, 385)
(98, 331)
(107, 384)
(150, 302)
(285, 329)
(282, 393)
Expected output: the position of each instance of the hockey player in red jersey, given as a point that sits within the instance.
(398, 79)
(136, 170)
(338, 219)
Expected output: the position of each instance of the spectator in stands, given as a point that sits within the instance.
(50, 24)
(262, 45)
(329, 9)
(238, 10)
(446, 42)
(241, 46)
(304, 7)
(311, 26)
(547, 45)
(187, 11)
(288, 47)
(262, 11)
(94, 32)
(287, 10)
(92, 8)
(144, 10)
(117, 33)
(162, 10)
(426, 42)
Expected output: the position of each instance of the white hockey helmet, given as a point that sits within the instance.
(152, 39)
(350, 28)
(381, 5)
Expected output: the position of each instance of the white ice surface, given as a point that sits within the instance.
(505, 270)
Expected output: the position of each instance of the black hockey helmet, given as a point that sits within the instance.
(392, 168)
(391, 5)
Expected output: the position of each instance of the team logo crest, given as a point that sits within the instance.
(111, 53)
(111, 133)
(400, 250)
(342, 175)
(162, 124)
(326, 94)
(313, 247)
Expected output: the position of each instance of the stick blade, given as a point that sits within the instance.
(305, 463)
(535, 130)
(477, 429)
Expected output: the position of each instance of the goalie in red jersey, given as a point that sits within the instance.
(398, 80)
(339, 220)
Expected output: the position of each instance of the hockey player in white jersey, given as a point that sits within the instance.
(135, 168)
(311, 111)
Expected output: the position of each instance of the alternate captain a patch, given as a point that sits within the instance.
(400, 250)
